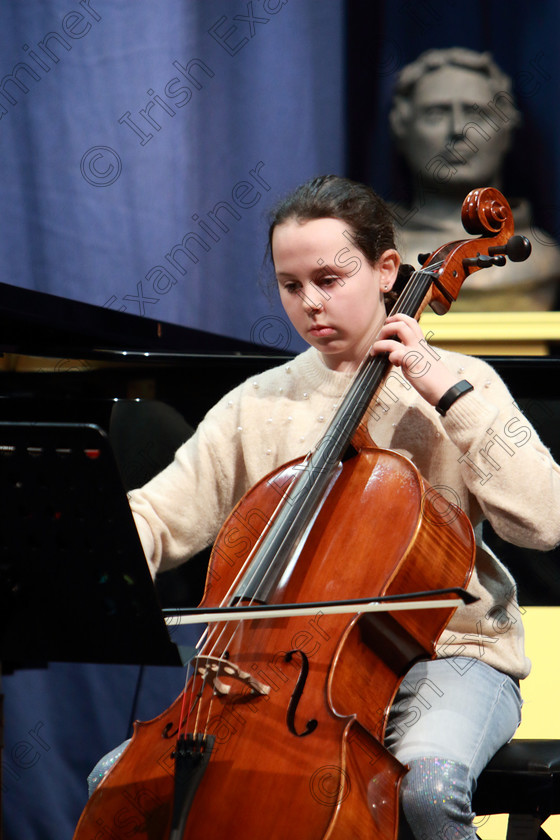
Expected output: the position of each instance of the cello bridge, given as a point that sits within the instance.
(214, 669)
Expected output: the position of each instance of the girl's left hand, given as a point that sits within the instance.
(421, 365)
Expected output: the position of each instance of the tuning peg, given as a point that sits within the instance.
(483, 261)
(422, 258)
(517, 248)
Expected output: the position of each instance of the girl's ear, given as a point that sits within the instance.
(388, 267)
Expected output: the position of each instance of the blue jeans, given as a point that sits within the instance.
(450, 716)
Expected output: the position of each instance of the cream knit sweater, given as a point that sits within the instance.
(483, 455)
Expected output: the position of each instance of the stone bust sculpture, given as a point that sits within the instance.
(453, 117)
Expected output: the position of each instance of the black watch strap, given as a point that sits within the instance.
(453, 394)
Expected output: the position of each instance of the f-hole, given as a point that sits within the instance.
(296, 696)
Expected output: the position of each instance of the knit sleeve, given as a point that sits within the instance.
(180, 511)
(503, 462)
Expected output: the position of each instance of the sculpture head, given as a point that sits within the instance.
(453, 115)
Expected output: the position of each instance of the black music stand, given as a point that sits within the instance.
(74, 583)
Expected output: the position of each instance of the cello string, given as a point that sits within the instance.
(211, 633)
(230, 629)
(403, 302)
(184, 719)
(199, 705)
(405, 299)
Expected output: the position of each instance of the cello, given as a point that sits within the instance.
(283, 718)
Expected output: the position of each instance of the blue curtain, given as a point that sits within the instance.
(143, 143)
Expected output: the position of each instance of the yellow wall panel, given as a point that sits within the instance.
(541, 707)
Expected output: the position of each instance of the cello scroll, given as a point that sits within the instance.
(486, 213)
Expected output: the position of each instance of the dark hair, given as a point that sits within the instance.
(330, 196)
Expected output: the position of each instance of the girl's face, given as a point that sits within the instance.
(332, 295)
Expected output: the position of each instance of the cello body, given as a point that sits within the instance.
(302, 739)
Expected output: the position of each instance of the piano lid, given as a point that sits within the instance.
(41, 324)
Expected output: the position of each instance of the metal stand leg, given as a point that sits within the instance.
(525, 827)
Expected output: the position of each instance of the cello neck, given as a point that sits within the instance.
(367, 382)
(301, 503)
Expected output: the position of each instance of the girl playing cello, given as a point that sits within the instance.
(333, 251)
